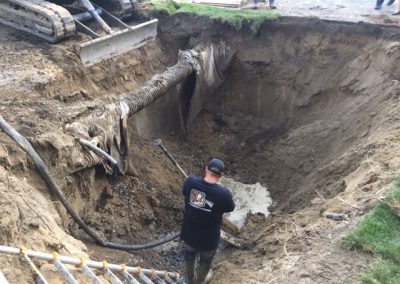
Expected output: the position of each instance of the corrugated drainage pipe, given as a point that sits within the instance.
(161, 83)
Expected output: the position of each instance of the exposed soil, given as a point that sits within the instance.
(308, 108)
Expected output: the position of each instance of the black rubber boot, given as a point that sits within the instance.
(189, 271)
(378, 5)
(272, 4)
(204, 274)
(390, 2)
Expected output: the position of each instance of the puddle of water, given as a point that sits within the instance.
(248, 198)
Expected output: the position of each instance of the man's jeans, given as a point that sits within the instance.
(206, 256)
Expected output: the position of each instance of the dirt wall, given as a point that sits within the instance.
(303, 105)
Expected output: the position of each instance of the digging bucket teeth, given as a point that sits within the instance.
(117, 43)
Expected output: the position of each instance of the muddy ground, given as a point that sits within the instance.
(308, 108)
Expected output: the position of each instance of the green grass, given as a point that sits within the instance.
(393, 198)
(167, 6)
(379, 233)
(384, 271)
(234, 17)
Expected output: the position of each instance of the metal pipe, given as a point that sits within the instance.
(90, 8)
(86, 16)
(90, 263)
(159, 143)
(101, 153)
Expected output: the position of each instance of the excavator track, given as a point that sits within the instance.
(119, 8)
(38, 17)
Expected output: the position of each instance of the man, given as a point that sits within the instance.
(272, 4)
(379, 3)
(397, 12)
(205, 203)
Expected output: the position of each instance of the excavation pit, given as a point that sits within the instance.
(307, 108)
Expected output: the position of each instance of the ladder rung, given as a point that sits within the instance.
(114, 279)
(130, 278)
(3, 279)
(91, 275)
(65, 272)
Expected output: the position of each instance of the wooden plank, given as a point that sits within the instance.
(221, 3)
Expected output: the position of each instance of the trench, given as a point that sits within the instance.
(298, 112)
(302, 105)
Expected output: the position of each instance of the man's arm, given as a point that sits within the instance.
(229, 207)
(185, 186)
(229, 203)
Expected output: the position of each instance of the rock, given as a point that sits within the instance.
(305, 275)
(336, 216)
(317, 201)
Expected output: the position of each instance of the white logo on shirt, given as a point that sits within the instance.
(198, 199)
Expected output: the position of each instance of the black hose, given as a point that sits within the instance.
(152, 244)
(27, 147)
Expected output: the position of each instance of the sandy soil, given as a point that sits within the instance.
(45, 87)
(320, 130)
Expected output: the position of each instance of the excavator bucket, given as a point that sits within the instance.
(116, 43)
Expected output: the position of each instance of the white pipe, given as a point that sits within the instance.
(64, 271)
(145, 279)
(130, 278)
(160, 281)
(91, 275)
(91, 263)
(3, 279)
(40, 278)
(9, 250)
(114, 279)
(103, 154)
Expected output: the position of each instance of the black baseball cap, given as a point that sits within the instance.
(216, 166)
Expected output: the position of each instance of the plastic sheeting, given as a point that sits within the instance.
(213, 61)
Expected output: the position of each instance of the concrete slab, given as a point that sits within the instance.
(249, 198)
(221, 3)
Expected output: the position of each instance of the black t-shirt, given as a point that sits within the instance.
(204, 205)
